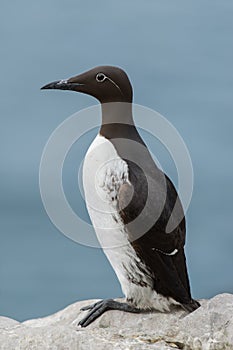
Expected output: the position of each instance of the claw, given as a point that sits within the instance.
(96, 310)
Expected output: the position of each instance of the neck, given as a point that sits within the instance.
(117, 112)
(117, 122)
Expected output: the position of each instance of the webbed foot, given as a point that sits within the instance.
(97, 309)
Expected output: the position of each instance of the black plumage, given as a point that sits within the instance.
(169, 272)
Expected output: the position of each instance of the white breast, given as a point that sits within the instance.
(103, 174)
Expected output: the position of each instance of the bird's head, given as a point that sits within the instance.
(106, 83)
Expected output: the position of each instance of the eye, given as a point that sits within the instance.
(100, 77)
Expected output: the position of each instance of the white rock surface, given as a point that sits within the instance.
(208, 328)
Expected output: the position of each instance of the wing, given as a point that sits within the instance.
(162, 252)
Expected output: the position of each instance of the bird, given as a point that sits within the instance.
(131, 203)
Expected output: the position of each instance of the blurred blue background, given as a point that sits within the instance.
(179, 57)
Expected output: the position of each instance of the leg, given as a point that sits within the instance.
(100, 307)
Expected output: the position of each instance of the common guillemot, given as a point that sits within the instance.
(134, 203)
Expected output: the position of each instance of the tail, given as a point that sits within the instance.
(192, 306)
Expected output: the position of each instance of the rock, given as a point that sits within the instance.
(208, 328)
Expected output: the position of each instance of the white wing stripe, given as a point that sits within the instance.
(172, 253)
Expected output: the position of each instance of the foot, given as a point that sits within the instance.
(100, 307)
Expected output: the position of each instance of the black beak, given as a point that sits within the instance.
(61, 85)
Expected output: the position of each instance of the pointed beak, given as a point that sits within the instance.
(64, 84)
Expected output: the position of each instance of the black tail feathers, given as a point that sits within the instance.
(192, 306)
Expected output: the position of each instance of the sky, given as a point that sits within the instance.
(179, 57)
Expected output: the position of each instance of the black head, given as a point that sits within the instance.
(106, 83)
